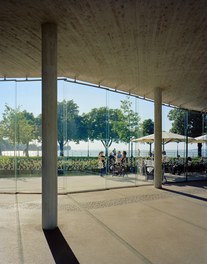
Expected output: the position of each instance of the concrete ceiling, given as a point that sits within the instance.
(132, 46)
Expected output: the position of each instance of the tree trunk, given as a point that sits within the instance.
(61, 148)
(26, 151)
(199, 149)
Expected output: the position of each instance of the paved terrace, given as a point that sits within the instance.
(132, 225)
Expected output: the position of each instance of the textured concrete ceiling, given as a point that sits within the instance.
(128, 45)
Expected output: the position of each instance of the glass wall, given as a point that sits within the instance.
(185, 160)
(99, 144)
(82, 135)
(97, 122)
(8, 140)
(122, 126)
(20, 136)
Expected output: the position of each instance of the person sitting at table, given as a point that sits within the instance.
(123, 158)
(118, 157)
(101, 163)
(178, 167)
(112, 160)
(201, 165)
(124, 162)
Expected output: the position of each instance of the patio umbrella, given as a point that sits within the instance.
(166, 138)
(201, 139)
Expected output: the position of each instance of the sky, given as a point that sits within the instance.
(27, 95)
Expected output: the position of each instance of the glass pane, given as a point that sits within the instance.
(81, 134)
(174, 148)
(145, 150)
(7, 136)
(28, 136)
(195, 168)
(121, 126)
(184, 160)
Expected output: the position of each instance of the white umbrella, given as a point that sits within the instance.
(166, 138)
(201, 139)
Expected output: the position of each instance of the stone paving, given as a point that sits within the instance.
(131, 225)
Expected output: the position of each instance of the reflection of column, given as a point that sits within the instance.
(49, 126)
(158, 137)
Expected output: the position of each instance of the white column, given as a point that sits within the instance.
(49, 126)
(158, 137)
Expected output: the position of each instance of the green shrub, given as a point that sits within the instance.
(34, 164)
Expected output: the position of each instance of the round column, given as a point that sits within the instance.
(158, 137)
(49, 126)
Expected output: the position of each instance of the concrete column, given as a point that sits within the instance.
(49, 126)
(158, 137)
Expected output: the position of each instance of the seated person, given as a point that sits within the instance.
(120, 168)
(118, 157)
(112, 160)
(189, 161)
(201, 165)
(101, 162)
(123, 159)
(178, 167)
(164, 157)
(190, 166)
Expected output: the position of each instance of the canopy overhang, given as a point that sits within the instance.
(133, 46)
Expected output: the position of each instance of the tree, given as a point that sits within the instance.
(104, 124)
(38, 127)
(1, 140)
(112, 125)
(18, 126)
(148, 129)
(187, 123)
(177, 116)
(70, 124)
(130, 122)
(130, 128)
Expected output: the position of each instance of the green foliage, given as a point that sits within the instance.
(103, 124)
(70, 124)
(38, 127)
(130, 128)
(112, 125)
(182, 120)
(147, 127)
(18, 126)
(33, 165)
(187, 123)
(177, 116)
(7, 163)
(78, 164)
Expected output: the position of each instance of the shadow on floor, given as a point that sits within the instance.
(197, 184)
(61, 251)
(193, 183)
